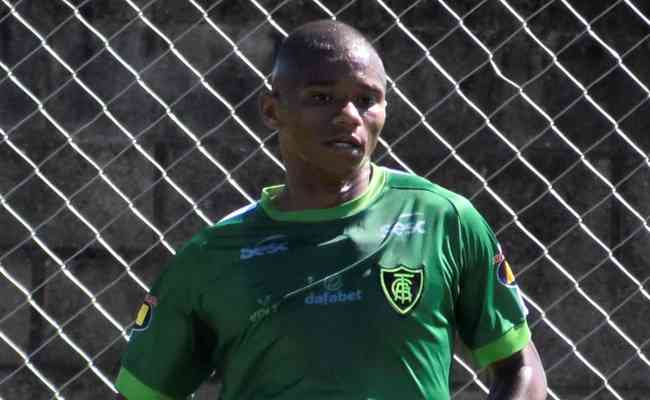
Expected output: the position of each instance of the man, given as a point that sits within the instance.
(347, 282)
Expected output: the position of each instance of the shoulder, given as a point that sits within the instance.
(424, 190)
(211, 239)
(226, 230)
(206, 255)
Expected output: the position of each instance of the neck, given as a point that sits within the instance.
(309, 189)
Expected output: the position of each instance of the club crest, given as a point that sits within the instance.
(402, 287)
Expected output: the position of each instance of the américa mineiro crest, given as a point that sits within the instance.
(402, 287)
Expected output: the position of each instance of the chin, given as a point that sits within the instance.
(346, 168)
(335, 166)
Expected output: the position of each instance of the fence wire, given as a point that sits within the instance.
(116, 153)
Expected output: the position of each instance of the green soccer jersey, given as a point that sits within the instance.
(360, 301)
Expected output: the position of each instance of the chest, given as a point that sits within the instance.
(345, 284)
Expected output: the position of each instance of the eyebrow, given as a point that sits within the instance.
(320, 83)
(328, 83)
(373, 88)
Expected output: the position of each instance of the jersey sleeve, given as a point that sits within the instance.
(169, 350)
(490, 313)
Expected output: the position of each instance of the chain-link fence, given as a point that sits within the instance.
(126, 126)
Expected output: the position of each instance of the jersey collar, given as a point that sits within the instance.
(346, 209)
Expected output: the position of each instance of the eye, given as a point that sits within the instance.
(366, 101)
(321, 98)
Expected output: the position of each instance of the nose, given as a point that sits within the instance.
(348, 116)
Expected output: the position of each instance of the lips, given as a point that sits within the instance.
(345, 142)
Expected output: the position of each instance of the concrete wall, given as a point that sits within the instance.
(518, 57)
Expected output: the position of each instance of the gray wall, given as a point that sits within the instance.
(516, 54)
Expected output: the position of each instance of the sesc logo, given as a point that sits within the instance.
(406, 225)
(269, 245)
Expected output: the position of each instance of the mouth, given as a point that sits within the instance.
(347, 143)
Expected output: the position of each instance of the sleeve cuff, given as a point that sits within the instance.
(131, 387)
(513, 341)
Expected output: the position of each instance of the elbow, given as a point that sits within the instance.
(519, 377)
(534, 381)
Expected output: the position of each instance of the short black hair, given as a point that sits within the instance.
(316, 39)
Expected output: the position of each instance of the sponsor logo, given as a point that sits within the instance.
(151, 300)
(402, 287)
(267, 307)
(270, 245)
(143, 317)
(504, 272)
(333, 283)
(334, 297)
(263, 312)
(333, 293)
(264, 301)
(406, 225)
(505, 275)
(499, 258)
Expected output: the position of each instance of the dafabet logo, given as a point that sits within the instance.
(333, 293)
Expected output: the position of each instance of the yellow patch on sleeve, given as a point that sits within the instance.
(142, 315)
(510, 277)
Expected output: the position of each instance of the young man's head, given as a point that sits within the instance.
(328, 99)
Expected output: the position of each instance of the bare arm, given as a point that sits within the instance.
(518, 377)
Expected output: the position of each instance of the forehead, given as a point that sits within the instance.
(355, 62)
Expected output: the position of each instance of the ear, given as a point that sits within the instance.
(269, 106)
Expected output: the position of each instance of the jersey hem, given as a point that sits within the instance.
(513, 341)
(131, 387)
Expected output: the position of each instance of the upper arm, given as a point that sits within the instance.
(169, 351)
(490, 313)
